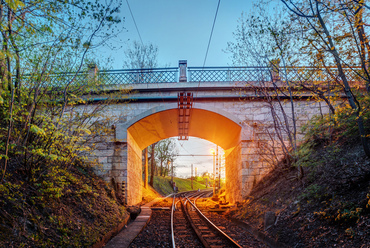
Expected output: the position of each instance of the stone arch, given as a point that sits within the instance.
(161, 122)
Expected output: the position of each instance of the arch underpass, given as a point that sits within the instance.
(226, 99)
(160, 123)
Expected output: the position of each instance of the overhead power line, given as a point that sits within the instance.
(141, 40)
(209, 43)
(133, 18)
(210, 36)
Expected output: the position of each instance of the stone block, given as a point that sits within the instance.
(103, 159)
(119, 165)
(119, 159)
(248, 172)
(103, 153)
(259, 117)
(245, 164)
(254, 157)
(249, 151)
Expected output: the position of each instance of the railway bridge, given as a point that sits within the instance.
(218, 104)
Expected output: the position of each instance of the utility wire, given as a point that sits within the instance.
(182, 145)
(210, 36)
(209, 43)
(141, 40)
(133, 18)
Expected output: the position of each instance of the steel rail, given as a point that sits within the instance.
(196, 230)
(174, 203)
(214, 226)
(201, 194)
(172, 229)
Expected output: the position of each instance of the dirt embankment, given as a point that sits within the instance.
(328, 207)
(66, 207)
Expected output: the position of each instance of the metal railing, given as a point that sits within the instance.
(254, 74)
(108, 77)
(157, 75)
(193, 74)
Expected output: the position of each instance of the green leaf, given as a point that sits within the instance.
(39, 131)
(14, 4)
(86, 45)
(53, 157)
(87, 131)
(3, 156)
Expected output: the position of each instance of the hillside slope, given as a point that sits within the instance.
(70, 207)
(329, 206)
(163, 186)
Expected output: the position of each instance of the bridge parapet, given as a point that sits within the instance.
(267, 74)
(185, 74)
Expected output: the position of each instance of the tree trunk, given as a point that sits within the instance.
(152, 166)
(347, 88)
(146, 168)
(161, 171)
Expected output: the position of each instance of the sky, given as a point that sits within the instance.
(195, 147)
(181, 30)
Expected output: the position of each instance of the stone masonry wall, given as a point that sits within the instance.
(233, 175)
(115, 162)
(134, 170)
(253, 166)
(110, 158)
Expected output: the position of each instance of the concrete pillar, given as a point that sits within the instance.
(146, 168)
(92, 72)
(182, 66)
(275, 70)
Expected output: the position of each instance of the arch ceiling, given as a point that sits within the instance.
(160, 123)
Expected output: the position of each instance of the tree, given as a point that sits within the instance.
(38, 40)
(261, 42)
(336, 31)
(152, 164)
(328, 37)
(44, 47)
(141, 56)
(166, 152)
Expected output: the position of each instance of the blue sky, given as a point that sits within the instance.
(180, 29)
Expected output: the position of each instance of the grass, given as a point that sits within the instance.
(163, 185)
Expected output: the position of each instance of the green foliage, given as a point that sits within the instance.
(348, 214)
(10, 192)
(49, 196)
(163, 186)
(345, 213)
(304, 154)
(76, 208)
(328, 131)
(312, 192)
(165, 153)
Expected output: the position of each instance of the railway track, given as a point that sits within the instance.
(183, 229)
(186, 226)
(206, 232)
